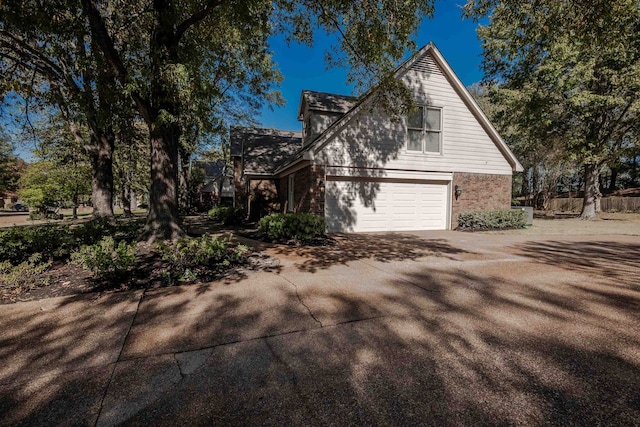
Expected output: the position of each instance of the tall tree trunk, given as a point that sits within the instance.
(614, 178)
(125, 193)
(101, 158)
(163, 218)
(591, 191)
(100, 151)
(184, 193)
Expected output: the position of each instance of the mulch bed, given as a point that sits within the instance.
(64, 279)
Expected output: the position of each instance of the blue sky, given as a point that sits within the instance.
(304, 68)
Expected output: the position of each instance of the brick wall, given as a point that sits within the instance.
(240, 193)
(308, 193)
(479, 192)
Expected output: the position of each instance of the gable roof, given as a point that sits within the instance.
(323, 101)
(263, 150)
(455, 82)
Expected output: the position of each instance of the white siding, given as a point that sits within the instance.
(371, 140)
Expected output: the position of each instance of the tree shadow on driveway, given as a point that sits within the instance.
(383, 247)
(450, 346)
(619, 261)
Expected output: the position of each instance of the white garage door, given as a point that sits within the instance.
(385, 205)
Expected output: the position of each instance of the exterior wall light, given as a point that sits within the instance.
(457, 191)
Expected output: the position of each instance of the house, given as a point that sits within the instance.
(366, 172)
(217, 183)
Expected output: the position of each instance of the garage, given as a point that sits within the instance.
(364, 205)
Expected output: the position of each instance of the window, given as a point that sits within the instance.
(291, 200)
(424, 129)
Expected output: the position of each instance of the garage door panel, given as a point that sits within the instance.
(385, 205)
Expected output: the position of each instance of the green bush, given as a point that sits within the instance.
(91, 232)
(492, 220)
(106, 259)
(27, 273)
(19, 243)
(303, 227)
(197, 257)
(227, 215)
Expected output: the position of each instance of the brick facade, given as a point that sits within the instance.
(264, 196)
(479, 192)
(308, 192)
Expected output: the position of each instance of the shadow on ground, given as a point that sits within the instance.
(387, 247)
(616, 260)
(450, 346)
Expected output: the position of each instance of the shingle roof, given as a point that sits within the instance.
(211, 169)
(263, 150)
(322, 101)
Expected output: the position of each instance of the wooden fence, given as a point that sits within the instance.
(608, 204)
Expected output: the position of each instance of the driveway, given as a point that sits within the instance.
(440, 328)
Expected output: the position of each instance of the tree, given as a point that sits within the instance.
(569, 73)
(131, 161)
(6, 160)
(544, 160)
(47, 59)
(46, 183)
(61, 150)
(204, 50)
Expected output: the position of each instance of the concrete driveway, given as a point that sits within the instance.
(441, 328)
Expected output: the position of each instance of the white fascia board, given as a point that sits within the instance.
(350, 172)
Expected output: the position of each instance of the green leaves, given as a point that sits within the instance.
(566, 71)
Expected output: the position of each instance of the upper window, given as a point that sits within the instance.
(424, 128)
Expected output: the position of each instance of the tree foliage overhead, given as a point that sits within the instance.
(568, 74)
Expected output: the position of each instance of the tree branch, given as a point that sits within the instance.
(101, 35)
(196, 17)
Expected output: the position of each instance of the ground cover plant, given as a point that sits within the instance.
(491, 220)
(105, 255)
(287, 227)
(227, 215)
(200, 257)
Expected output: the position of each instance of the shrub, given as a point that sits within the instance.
(26, 273)
(303, 227)
(91, 232)
(492, 220)
(227, 215)
(197, 257)
(19, 243)
(105, 259)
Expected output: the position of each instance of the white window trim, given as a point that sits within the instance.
(424, 130)
(291, 192)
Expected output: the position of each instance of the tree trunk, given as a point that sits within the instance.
(75, 205)
(163, 218)
(614, 178)
(101, 157)
(591, 191)
(125, 194)
(184, 193)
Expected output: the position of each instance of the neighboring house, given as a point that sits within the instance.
(366, 172)
(217, 185)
